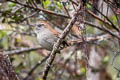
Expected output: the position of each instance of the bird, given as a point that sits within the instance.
(46, 35)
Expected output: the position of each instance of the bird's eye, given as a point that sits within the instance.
(39, 25)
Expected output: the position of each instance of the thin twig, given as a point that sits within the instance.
(74, 2)
(18, 32)
(39, 9)
(111, 7)
(112, 25)
(35, 67)
(116, 54)
(65, 9)
(96, 17)
(91, 13)
(118, 74)
(21, 50)
(32, 15)
(103, 29)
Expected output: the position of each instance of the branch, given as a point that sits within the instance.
(32, 15)
(35, 67)
(103, 29)
(95, 16)
(7, 71)
(112, 25)
(21, 50)
(39, 9)
(65, 9)
(57, 44)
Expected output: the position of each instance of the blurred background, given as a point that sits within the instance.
(94, 53)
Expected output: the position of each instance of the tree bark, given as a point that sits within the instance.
(6, 70)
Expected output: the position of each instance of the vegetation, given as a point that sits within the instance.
(92, 27)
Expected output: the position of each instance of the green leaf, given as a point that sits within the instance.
(82, 70)
(2, 33)
(113, 19)
(18, 38)
(30, 0)
(10, 4)
(106, 59)
(59, 5)
(88, 6)
(46, 3)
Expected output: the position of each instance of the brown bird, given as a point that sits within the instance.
(46, 35)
